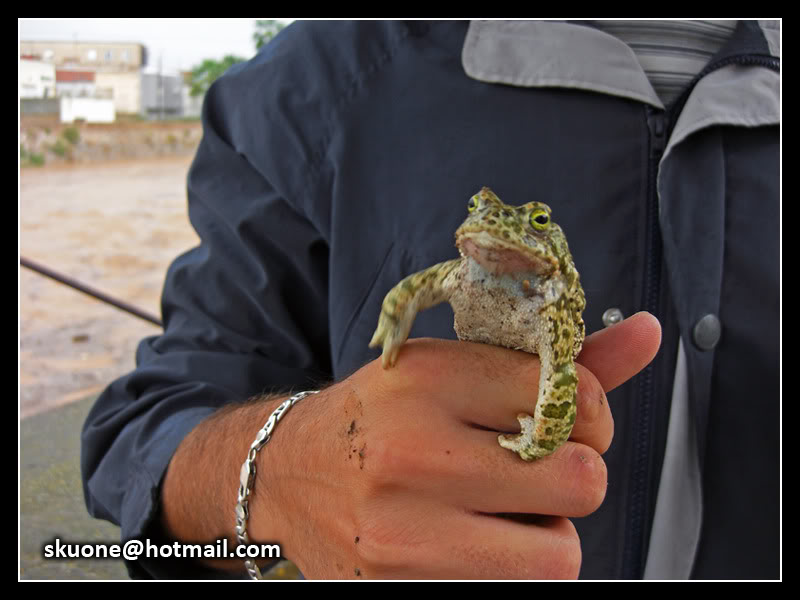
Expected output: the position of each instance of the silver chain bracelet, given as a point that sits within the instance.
(247, 476)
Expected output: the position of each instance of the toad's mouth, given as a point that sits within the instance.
(500, 259)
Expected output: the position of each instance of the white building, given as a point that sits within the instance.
(37, 79)
(91, 110)
(126, 89)
(75, 84)
(117, 67)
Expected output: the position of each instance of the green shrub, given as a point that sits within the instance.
(27, 158)
(72, 135)
(59, 148)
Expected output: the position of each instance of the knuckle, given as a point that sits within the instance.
(566, 560)
(591, 397)
(389, 461)
(564, 556)
(386, 537)
(374, 551)
(590, 480)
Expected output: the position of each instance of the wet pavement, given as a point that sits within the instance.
(51, 498)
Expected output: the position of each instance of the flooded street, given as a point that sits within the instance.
(114, 226)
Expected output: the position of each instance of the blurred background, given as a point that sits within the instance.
(109, 120)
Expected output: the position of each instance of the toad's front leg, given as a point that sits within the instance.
(556, 405)
(416, 292)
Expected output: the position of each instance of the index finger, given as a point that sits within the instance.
(617, 353)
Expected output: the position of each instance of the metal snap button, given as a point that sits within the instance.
(612, 316)
(707, 332)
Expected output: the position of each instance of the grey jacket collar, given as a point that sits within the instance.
(572, 55)
(554, 54)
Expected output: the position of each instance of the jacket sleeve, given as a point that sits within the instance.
(244, 313)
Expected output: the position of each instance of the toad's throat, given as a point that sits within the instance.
(500, 259)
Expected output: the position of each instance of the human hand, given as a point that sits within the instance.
(397, 474)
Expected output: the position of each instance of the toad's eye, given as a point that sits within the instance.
(474, 203)
(540, 219)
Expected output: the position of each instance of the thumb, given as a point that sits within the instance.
(617, 353)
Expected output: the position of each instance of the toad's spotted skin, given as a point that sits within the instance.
(515, 285)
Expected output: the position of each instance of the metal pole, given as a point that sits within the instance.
(94, 293)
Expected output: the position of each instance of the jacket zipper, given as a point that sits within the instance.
(660, 124)
(633, 558)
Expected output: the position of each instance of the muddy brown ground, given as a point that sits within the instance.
(115, 226)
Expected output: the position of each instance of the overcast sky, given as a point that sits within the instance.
(181, 43)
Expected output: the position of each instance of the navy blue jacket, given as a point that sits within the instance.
(340, 160)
